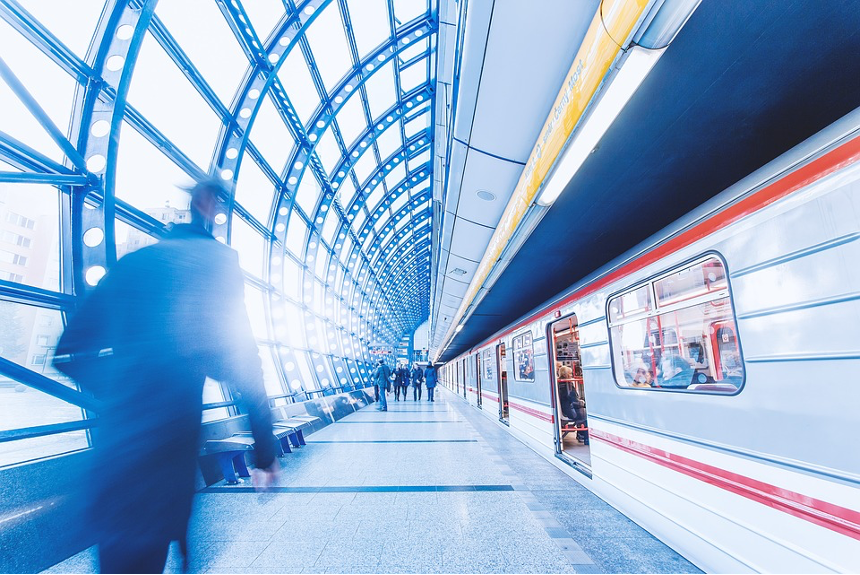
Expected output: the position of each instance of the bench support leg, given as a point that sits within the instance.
(285, 445)
(239, 464)
(301, 435)
(225, 460)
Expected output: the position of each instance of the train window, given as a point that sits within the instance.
(524, 357)
(489, 374)
(686, 340)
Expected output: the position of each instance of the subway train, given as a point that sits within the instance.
(707, 382)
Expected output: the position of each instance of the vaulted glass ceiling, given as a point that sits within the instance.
(316, 115)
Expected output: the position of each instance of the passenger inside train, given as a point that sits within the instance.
(677, 331)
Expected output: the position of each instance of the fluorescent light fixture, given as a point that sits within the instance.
(627, 80)
(459, 328)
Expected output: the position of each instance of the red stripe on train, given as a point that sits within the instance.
(843, 156)
(828, 515)
(532, 412)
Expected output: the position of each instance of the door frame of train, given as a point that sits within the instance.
(478, 379)
(465, 363)
(503, 388)
(580, 466)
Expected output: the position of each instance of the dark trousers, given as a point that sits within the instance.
(430, 391)
(376, 391)
(133, 555)
(397, 393)
(416, 392)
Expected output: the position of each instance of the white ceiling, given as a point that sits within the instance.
(514, 58)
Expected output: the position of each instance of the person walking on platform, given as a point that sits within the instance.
(381, 379)
(160, 322)
(430, 380)
(401, 382)
(417, 379)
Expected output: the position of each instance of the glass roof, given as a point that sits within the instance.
(316, 115)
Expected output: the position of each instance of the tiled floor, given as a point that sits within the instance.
(422, 488)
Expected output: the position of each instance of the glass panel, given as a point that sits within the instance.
(399, 202)
(369, 23)
(71, 22)
(321, 263)
(309, 193)
(29, 338)
(164, 95)
(296, 77)
(358, 221)
(390, 141)
(422, 158)
(255, 306)
(52, 88)
(296, 231)
(38, 447)
(693, 348)
(328, 151)
(30, 236)
(208, 42)
(145, 177)
(346, 251)
(374, 199)
(395, 176)
(524, 363)
(264, 14)
(250, 245)
(254, 190)
(346, 191)
(130, 239)
(407, 10)
(293, 321)
(413, 76)
(330, 227)
(414, 126)
(365, 166)
(213, 393)
(417, 47)
(630, 304)
(351, 120)
(292, 278)
(329, 46)
(271, 136)
(271, 379)
(381, 94)
(307, 378)
(704, 278)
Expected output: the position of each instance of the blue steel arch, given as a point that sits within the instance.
(358, 291)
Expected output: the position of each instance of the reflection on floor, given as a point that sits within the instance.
(422, 488)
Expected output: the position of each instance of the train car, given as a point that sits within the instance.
(706, 382)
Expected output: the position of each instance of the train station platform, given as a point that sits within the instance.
(422, 488)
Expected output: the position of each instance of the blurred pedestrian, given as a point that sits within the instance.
(430, 380)
(381, 379)
(417, 377)
(159, 323)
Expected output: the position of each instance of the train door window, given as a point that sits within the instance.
(504, 410)
(678, 332)
(572, 426)
(524, 357)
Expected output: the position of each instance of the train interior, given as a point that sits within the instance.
(681, 335)
(504, 408)
(571, 415)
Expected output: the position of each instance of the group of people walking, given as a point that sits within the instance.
(400, 379)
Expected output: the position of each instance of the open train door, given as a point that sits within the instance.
(504, 410)
(571, 430)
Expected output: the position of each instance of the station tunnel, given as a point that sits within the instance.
(429, 286)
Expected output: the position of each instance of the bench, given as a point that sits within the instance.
(230, 453)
